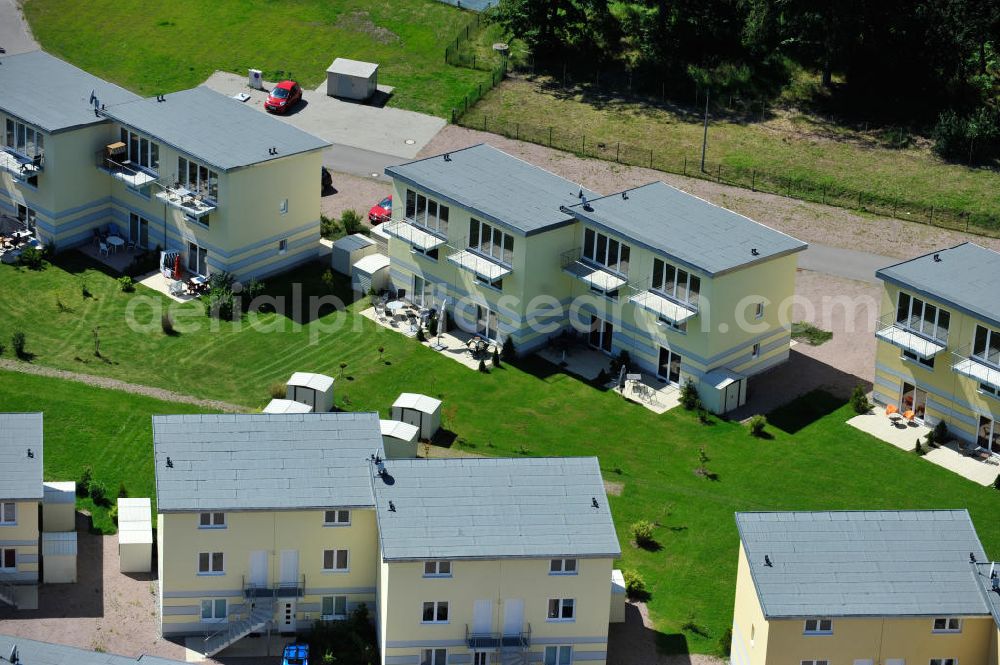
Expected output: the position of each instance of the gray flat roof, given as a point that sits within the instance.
(33, 652)
(51, 94)
(469, 508)
(214, 128)
(21, 475)
(982, 572)
(495, 186)
(264, 461)
(863, 563)
(966, 277)
(690, 230)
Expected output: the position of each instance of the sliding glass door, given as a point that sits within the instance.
(669, 366)
(601, 332)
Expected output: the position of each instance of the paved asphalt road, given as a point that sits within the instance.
(14, 34)
(847, 263)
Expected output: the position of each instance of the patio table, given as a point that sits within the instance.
(115, 242)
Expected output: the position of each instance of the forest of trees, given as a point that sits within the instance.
(927, 63)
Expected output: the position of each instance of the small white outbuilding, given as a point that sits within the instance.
(346, 251)
(381, 238)
(315, 390)
(352, 79)
(135, 535)
(59, 557)
(286, 406)
(399, 439)
(617, 614)
(370, 272)
(59, 507)
(419, 410)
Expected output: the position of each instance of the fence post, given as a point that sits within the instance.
(473, 60)
(753, 181)
(685, 165)
(650, 158)
(517, 131)
(824, 194)
(618, 151)
(453, 115)
(584, 144)
(484, 122)
(550, 137)
(860, 207)
(931, 222)
(480, 91)
(718, 177)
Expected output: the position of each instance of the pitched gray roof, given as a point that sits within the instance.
(495, 186)
(33, 652)
(49, 93)
(690, 230)
(214, 128)
(490, 508)
(878, 563)
(20, 475)
(264, 461)
(966, 277)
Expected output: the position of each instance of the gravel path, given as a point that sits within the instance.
(115, 384)
(811, 222)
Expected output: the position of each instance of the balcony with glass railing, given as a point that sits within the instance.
(983, 367)
(120, 168)
(21, 165)
(485, 267)
(914, 335)
(593, 275)
(418, 237)
(194, 203)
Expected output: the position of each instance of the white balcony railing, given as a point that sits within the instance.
(898, 333)
(190, 203)
(976, 367)
(21, 166)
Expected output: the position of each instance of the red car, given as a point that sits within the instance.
(283, 97)
(381, 211)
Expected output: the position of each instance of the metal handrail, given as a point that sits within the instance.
(36, 162)
(105, 161)
(498, 640)
(965, 354)
(889, 320)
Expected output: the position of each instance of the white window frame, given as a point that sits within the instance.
(336, 560)
(944, 661)
(755, 351)
(3, 557)
(8, 508)
(909, 356)
(436, 607)
(557, 651)
(213, 604)
(494, 247)
(480, 658)
(679, 286)
(283, 246)
(817, 626)
(210, 569)
(758, 312)
(911, 310)
(333, 615)
(561, 566)
(216, 520)
(947, 625)
(205, 182)
(420, 213)
(434, 656)
(15, 130)
(615, 256)
(561, 606)
(437, 568)
(985, 355)
(340, 517)
(152, 151)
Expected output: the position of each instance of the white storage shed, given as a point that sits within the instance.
(399, 439)
(371, 272)
(346, 251)
(722, 390)
(381, 238)
(135, 535)
(59, 557)
(287, 406)
(59, 507)
(617, 614)
(419, 410)
(352, 79)
(315, 390)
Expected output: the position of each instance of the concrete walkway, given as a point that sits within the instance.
(15, 35)
(848, 263)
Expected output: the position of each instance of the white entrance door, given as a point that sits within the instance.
(601, 332)
(197, 260)
(513, 616)
(258, 568)
(421, 292)
(486, 323)
(289, 567)
(482, 616)
(288, 616)
(138, 230)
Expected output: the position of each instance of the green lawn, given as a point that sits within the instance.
(813, 461)
(819, 156)
(108, 430)
(153, 47)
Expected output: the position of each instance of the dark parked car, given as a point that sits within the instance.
(326, 179)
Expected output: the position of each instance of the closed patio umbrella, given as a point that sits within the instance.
(177, 267)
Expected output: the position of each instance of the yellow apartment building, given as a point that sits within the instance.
(193, 172)
(272, 522)
(21, 493)
(863, 588)
(938, 342)
(690, 290)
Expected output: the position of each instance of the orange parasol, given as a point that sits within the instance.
(908, 415)
(891, 409)
(177, 267)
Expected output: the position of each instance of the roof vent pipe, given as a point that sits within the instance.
(170, 462)
(754, 252)
(937, 258)
(972, 557)
(31, 455)
(767, 561)
(392, 507)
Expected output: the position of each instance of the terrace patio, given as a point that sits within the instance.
(455, 344)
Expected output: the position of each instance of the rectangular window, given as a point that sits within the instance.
(434, 657)
(922, 317)
(561, 609)
(606, 251)
(435, 612)
(24, 139)
(141, 151)
(944, 661)
(336, 518)
(283, 206)
(491, 241)
(481, 658)
(926, 362)
(818, 626)
(755, 352)
(562, 566)
(214, 610)
(411, 203)
(947, 625)
(986, 345)
(211, 563)
(815, 662)
(758, 311)
(437, 569)
(335, 560)
(8, 513)
(8, 558)
(212, 521)
(679, 284)
(560, 655)
(282, 246)
(334, 607)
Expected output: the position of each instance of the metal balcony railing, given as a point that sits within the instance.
(915, 336)
(979, 367)
(498, 641)
(124, 170)
(19, 165)
(195, 204)
(277, 590)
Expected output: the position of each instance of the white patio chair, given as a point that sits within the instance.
(104, 249)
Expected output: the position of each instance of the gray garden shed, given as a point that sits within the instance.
(135, 535)
(286, 406)
(59, 506)
(370, 273)
(399, 439)
(316, 390)
(419, 410)
(346, 251)
(59, 557)
(351, 79)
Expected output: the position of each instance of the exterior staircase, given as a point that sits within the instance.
(258, 619)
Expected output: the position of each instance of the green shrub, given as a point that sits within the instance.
(83, 485)
(99, 493)
(421, 337)
(689, 396)
(167, 324)
(602, 378)
(482, 367)
(328, 228)
(973, 139)
(278, 390)
(635, 586)
(122, 490)
(757, 425)
(996, 483)
(351, 221)
(126, 284)
(642, 531)
(32, 258)
(327, 279)
(113, 514)
(859, 401)
(496, 356)
(350, 642)
(940, 432)
(508, 352)
(726, 642)
(251, 290)
(17, 342)
(919, 449)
